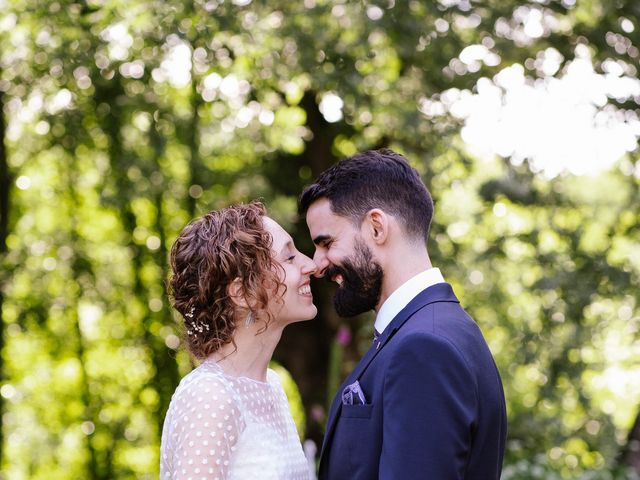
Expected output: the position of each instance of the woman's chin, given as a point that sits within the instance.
(309, 315)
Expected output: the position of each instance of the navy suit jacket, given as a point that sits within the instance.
(434, 408)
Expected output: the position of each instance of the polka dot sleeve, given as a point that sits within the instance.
(206, 427)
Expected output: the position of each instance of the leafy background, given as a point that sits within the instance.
(124, 120)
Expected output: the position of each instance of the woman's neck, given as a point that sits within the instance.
(252, 354)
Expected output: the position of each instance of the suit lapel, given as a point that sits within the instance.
(336, 405)
(441, 292)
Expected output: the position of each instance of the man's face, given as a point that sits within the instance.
(343, 257)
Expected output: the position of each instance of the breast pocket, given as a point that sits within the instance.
(356, 411)
(355, 437)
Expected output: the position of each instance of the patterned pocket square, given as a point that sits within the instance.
(353, 395)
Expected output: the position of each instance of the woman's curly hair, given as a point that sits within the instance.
(210, 253)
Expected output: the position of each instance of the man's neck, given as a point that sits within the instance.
(401, 267)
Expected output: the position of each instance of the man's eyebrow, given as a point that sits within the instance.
(320, 239)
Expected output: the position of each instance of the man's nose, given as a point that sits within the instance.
(320, 259)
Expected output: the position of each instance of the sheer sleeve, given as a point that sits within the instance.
(206, 426)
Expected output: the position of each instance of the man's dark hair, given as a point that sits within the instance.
(374, 179)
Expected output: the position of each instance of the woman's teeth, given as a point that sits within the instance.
(304, 290)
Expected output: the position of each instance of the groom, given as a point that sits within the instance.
(426, 400)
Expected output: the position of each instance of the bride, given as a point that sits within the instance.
(238, 280)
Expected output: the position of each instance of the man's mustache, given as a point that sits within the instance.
(333, 271)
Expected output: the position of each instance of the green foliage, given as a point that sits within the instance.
(127, 119)
(557, 315)
(293, 395)
(539, 468)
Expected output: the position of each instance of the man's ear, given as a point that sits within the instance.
(235, 290)
(376, 224)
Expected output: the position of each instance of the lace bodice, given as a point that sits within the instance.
(224, 427)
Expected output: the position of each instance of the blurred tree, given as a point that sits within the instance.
(5, 186)
(126, 120)
(631, 453)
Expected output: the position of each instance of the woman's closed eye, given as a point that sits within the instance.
(290, 259)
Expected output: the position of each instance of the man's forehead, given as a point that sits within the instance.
(320, 214)
(321, 205)
(326, 225)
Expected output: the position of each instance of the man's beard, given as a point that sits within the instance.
(361, 285)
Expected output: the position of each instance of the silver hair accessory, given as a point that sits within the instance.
(194, 326)
(249, 320)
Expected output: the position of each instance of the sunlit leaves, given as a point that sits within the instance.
(127, 119)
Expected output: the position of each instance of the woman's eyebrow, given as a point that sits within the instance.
(287, 246)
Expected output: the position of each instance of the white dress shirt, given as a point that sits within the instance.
(406, 292)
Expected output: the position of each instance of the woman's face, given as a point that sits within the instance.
(297, 302)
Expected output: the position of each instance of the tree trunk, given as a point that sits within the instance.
(165, 374)
(5, 186)
(168, 376)
(630, 455)
(304, 348)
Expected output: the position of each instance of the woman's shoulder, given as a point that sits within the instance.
(273, 378)
(204, 402)
(205, 382)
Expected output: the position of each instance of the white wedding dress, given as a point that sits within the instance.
(230, 428)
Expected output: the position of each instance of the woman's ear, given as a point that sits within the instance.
(235, 290)
(376, 225)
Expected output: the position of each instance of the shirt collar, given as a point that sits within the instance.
(402, 295)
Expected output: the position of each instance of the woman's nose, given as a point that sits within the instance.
(321, 262)
(309, 267)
